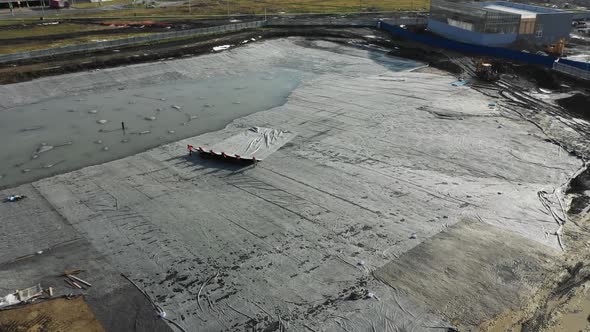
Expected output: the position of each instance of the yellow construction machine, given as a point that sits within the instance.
(556, 49)
(486, 71)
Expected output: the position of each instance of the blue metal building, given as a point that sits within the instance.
(498, 23)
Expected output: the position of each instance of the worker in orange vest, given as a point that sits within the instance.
(190, 149)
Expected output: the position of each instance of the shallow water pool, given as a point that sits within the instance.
(61, 134)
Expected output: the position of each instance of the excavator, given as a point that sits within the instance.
(556, 49)
(486, 71)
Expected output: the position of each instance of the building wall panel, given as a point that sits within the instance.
(549, 28)
(527, 26)
(472, 37)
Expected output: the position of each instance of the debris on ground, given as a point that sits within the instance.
(358, 294)
(361, 294)
(221, 48)
(8, 300)
(74, 278)
(20, 296)
(72, 284)
(14, 198)
(459, 83)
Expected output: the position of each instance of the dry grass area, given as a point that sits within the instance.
(197, 10)
(50, 29)
(38, 36)
(18, 21)
(221, 7)
(311, 6)
(7, 49)
(51, 316)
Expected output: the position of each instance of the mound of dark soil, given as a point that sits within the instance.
(545, 78)
(577, 188)
(577, 105)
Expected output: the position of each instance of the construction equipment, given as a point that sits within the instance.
(486, 71)
(556, 49)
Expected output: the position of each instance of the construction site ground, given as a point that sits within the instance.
(403, 203)
(54, 315)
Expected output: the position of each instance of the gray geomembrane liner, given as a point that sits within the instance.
(256, 143)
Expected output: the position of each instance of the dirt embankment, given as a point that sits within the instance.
(35, 68)
(59, 314)
(578, 189)
(438, 58)
(577, 105)
(563, 302)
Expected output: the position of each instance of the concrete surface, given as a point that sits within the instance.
(386, 166)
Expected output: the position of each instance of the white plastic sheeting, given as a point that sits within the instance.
(9, 300)
(256, 143)
(21, 296)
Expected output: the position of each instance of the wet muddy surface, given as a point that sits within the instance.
(576, 105)
(64, 133)
(59, 134)
(579, 189)
(299, 238)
